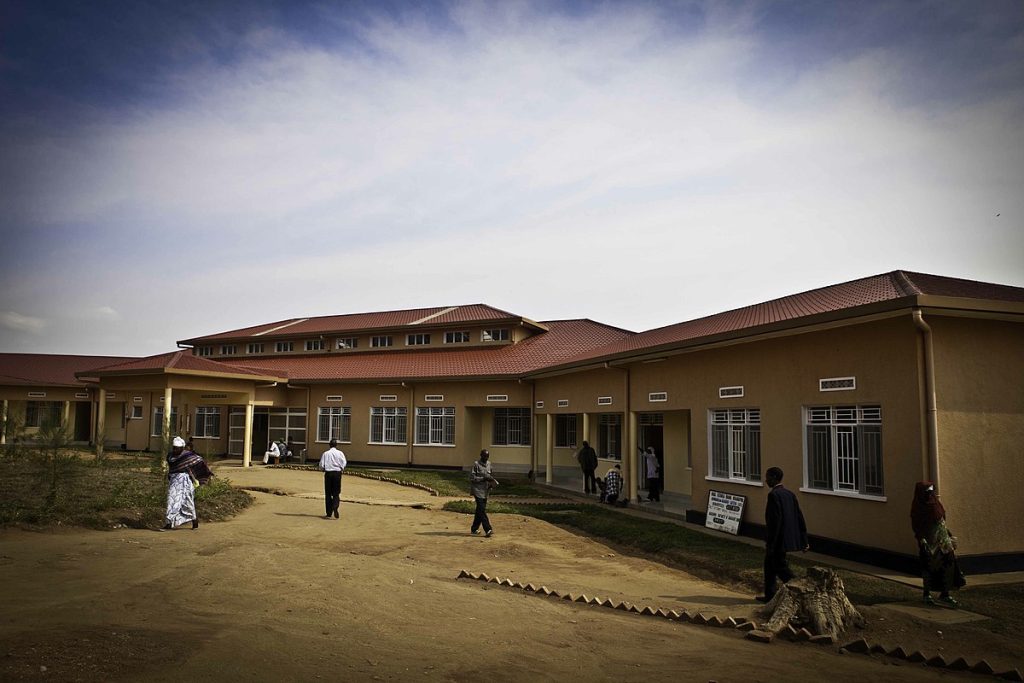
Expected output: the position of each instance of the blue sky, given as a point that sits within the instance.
(171, 169)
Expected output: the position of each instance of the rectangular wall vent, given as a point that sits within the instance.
(213, 395)
(335, 398)
(657, 396)
(540, 404)
(82, 394)
(837, 384)
(563, 403)
(112, 394)
(730, 392)
(137, 399)
(434, 397)
(604, 400)
(497, 398)
(388, 397)
(37, 394)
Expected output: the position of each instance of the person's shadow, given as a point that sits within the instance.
(443, 533)
(296, 514)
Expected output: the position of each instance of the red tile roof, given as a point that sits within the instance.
(849, 298)
(41, 369)
(176, 360)
(565, 339)
(355, 322)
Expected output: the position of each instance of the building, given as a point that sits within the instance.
(857, 390)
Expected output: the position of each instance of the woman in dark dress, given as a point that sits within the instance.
(937, 547)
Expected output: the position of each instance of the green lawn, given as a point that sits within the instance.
(72, 488)
(451, 482)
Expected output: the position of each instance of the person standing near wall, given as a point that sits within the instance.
(333, 463)
(480, 484)
(939, 567)
(587, 458)
(653, 468)
(784, 530)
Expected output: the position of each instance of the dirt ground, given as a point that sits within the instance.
(279, 593)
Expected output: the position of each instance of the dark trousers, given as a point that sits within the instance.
(653, 488)
(776, 567)
(589, 482)
(332, 491)
(480, 517)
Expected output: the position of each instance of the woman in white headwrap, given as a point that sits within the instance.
(186, 470)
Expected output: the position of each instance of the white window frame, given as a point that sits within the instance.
(850, 438)
(382, 341)
(254, 347)
(314, 344)
(204, 351)
(284, 347)
(417, 339)
(498, 334)
(228, 349)
(207, 420)
(511, 427)
(347, 343)
(435, 426)
(734, 445)
(338, 423)
(138, 412)
(393, 425)
(458, 337)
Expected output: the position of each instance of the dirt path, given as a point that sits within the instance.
(281, 594)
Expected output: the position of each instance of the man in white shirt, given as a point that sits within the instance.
(333, 463)
(274, 452)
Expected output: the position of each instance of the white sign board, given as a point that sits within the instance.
(725, 511)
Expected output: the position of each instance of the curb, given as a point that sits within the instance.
(751, 628)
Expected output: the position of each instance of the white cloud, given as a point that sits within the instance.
(22, 323)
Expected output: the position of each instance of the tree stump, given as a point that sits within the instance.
(817, 603)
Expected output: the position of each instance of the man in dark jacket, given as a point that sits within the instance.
(784, 530)
(588, 463)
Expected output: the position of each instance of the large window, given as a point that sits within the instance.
(565, 431)
(158, 421)
(736, 444)
(381, 341)
(284, 347)
(844, 449)
(289, 425)
(388, 425)
(420, 339)
(334, 423)
(511, 427)
(314, 344)
(609, 433)
(456, 337)
(39, 413)
(207, 422)
(348, 342)
(435, 426)
(254, 348)
(494, 335)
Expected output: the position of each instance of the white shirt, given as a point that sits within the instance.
(333, 460)
(274, 451)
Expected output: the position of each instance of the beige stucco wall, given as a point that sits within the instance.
(979, 370)
(780, 376)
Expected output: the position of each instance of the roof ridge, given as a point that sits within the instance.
(902, 282)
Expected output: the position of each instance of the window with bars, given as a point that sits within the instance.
(565, 431)
(844, 449)
(609, 436)
(388, 425)
(735, 444)
(207, 422)
(158, 421)
(334, 423)
(39, 413)
(435, 426)
(511, 427)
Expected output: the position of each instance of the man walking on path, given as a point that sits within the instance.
(588, 463)
(480, 483)
(333, 463)
(784, 530)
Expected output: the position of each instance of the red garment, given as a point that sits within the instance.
(926, 511)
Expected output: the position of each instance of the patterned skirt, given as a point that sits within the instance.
(181, 499)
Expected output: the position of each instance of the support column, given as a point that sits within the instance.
(101, 421)
(247, 439)
(165, 429)
(586, 430)
(65, 418)
(631, 449)
(3, 423)
(549, 451)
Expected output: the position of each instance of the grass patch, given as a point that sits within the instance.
(70, 488)
(451, 482)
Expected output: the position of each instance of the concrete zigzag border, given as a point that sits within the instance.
(859, 646)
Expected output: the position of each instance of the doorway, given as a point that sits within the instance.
(83, 420)
(651, 433)
(260, 435)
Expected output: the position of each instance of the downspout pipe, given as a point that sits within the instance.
(931, 411)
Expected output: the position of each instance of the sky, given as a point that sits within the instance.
(175, 169)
